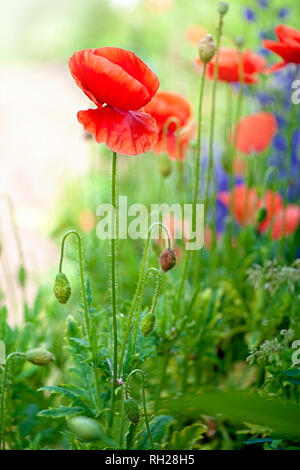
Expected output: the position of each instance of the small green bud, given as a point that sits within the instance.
(223, 8)
(239, 41)
(132, 410)
(72, 327)
(39, 356)
(147, 324)
(62, 288)
(165, 165)
(167, 260)
(22, 276)
(207, 48)
(87, 429)
(261, 215)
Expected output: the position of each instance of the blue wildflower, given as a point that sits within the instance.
(263, 3)
(283, 13)
(249, 14)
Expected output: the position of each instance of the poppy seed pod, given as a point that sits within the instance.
(165, 165)
(207, 48)
(39, 356)
(239, 41)
(223, 8)
(132, 410)
(62, 288)
(85, 428)
(261, 215)
(167, 259)
(147, 324)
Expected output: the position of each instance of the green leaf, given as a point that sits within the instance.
(2, 353)
(72, 393)
(61, 412)
(159, 428)
(283, 418)
(187, 437)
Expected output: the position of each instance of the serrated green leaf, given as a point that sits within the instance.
(72, 393)
(61, 412)
(187, 437)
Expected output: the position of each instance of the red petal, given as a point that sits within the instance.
(289, 221)
(166, 105)
(273, 203)
(114, 76)
(125, 132)
(284, 32)
(288, 53)
(255, 132)
(276, 67)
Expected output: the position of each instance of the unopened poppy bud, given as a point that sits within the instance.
(85, 428)
(240, 41)
(223, 8)
(165, 165)
(167, 260)
(132, 410)
(261, 215)
(22, 276)
(62, 288)
(147, 324)
(207, 48)
(39, 356)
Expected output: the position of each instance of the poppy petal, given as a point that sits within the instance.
(289, 219)
(248, 140)
(124, 132)
(114, 76)
(273, 202)
(284, 32)
(286, 52)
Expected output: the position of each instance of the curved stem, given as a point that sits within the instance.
(3, 395)
(113, 290)
(139, 371)
(154, 304)
(93, 347)
(137, 291)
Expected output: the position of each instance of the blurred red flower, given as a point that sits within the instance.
(120, 84)
(245, 202)
(287, 46)
(164, 107)
(255, 132)
(194, 34)
(273, 202)
(229, 65)
(289, 221)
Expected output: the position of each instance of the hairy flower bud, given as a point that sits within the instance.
(85, 428)
(261, 215)
(167, 259)
(165, 165)
(223, 8)
(132, 410)
(22, 276)
(147, 324)
(39, 356)
(62, 288)
(207, 48)
(239, 41)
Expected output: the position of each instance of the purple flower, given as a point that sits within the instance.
(283, 13)
(263, 3)
(280, 143)
(249, 14)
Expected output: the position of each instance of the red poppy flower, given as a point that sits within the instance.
(255, 132)
(290, 221)
(120, 85)
(245, 202)
(287, 46)
(229, 66)
(164, 107)
(273, 203)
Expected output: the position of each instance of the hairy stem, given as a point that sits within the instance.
(92, 345)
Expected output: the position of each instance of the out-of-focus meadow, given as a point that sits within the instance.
(226, 319)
